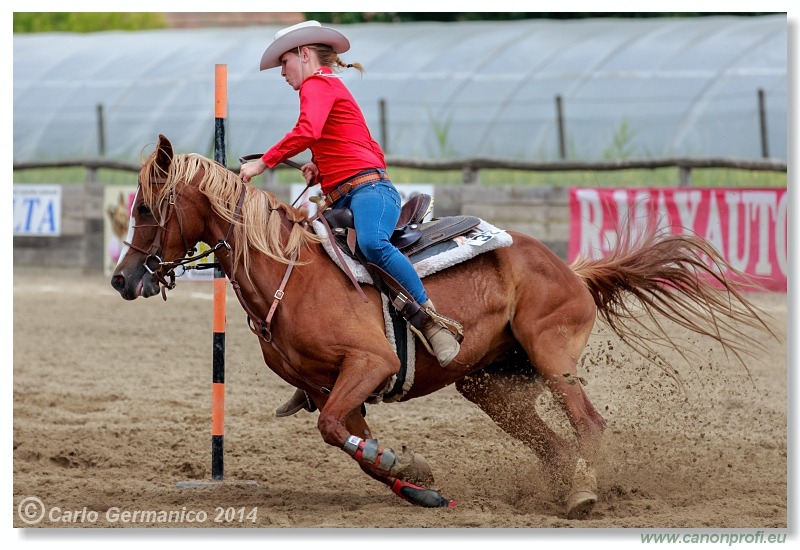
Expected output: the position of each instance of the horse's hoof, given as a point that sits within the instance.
(580, 504)
(420, 496)
(413, 468)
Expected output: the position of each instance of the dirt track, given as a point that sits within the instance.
(112, 409)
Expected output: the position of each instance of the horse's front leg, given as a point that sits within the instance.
(342, 425)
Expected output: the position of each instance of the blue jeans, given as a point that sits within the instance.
(376, 209)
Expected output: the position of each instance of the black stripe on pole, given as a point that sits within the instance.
(218, 377)
(219, 141)
(217, 457)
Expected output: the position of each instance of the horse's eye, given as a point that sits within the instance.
(143, 210)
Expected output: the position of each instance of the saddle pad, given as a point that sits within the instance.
(482, 239)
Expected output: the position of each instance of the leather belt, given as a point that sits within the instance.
(351, 184)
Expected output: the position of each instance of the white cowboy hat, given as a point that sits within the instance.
(302, 34)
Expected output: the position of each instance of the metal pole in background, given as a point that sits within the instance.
(101, 131)
(762, 117)
(384, 132)
(562, 142)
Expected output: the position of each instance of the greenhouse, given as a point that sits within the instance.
(526, 90)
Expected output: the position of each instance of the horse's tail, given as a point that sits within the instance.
(680, 277)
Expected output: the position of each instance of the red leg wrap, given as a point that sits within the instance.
(383, 461)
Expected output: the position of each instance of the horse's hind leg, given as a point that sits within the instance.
(509, 400)
(554, 342)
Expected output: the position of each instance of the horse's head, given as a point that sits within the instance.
(157, 235)
(184, 199)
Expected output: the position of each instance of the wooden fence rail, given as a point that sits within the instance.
(471, 167)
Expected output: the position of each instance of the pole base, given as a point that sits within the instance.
(215, 483)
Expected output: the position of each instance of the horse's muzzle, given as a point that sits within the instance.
(131, 288)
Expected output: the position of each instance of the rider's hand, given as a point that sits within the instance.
(251, 169)
(310, 173)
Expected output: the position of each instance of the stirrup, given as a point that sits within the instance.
(296, 403)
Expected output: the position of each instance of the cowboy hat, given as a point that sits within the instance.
(302, 34)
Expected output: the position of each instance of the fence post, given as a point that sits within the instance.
(470, 175)
(684, 176)
(269, 178)
(762, 117)
(562, 142)
(101, 131)
(384, 132)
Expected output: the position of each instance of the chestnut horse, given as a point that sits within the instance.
(527, 317)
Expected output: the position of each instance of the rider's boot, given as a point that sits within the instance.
(443, 343)
(295, 404)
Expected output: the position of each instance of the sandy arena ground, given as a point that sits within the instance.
(112, 409)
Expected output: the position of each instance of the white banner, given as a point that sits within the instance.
(37, 210)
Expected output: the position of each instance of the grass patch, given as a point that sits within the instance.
(74, 175)
(660, 177)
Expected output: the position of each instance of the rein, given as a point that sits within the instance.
(287, 162)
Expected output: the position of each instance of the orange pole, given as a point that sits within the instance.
(218, 374)
(220, 91)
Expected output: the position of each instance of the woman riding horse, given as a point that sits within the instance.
(347, 163)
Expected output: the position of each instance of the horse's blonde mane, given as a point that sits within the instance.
(260, 225)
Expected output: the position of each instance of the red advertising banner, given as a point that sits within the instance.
(747, 226)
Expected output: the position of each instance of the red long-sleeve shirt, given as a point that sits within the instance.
(332, 126)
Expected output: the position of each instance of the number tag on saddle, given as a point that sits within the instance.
(484, 237)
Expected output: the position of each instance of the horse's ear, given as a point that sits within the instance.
(163, 153)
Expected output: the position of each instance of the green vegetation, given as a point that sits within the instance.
(621, 143)
(25, 22)
(660, 177)
(405, 17)
(442, 132)
(73, 175)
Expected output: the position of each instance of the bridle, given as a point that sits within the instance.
(164, 272)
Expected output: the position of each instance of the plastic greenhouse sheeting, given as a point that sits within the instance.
(630, 88)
